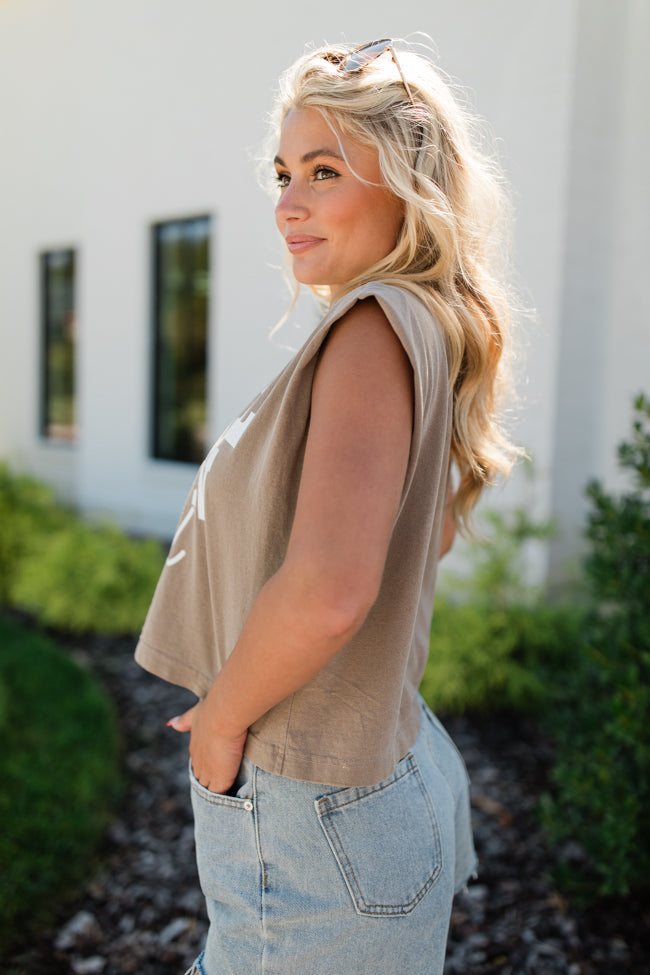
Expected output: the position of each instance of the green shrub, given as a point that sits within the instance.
(491, 660)
(68, 573)
(601, 714)
(59, 776)
(89, 578)
(28, 512)
(497, 577)
(493, 644)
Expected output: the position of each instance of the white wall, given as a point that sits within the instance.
(40, 209)
(605, 323)
(117, 115)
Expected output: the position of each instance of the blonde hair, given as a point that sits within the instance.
(451, 238)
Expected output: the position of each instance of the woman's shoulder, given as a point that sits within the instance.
(408, 316)
(401, 298)
(407, 311)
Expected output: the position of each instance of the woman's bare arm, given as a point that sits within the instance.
(449, 525)
(354, 467)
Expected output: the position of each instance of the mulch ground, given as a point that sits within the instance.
(142, 911)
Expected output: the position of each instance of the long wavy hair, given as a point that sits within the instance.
(453, 238)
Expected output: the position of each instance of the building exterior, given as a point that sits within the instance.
(138, 254)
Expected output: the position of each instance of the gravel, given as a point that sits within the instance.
(142, 909)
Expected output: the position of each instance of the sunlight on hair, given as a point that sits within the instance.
(453, 248)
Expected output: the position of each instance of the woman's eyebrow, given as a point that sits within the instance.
(312, 154)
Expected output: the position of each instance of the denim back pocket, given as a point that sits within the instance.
(386, 840)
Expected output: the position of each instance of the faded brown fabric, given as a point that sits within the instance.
(358, 716)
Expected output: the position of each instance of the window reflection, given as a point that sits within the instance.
(182, 290)
(58, 415)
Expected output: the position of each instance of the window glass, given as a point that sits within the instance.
(58, 419)
(182, 291)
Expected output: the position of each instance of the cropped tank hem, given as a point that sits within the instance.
(172, 668)
(331, 770)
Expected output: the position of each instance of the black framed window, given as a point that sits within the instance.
(58, 344)
(181, 302)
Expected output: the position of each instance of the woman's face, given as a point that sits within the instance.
(335, 225)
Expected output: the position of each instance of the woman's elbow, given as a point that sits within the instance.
(336, 601)
(344, 608)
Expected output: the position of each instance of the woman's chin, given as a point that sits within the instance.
(310, 280)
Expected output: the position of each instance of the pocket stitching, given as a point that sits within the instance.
(325, 807)
(328, 803)
(244, 803)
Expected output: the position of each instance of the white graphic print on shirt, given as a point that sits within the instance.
(231, 435)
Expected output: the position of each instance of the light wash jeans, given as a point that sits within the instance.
(306, 879)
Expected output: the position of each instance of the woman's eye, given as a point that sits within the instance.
(282, 179)
(324, 173)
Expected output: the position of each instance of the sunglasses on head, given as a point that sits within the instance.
(357, 59)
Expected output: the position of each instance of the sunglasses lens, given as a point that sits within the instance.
(357, 59)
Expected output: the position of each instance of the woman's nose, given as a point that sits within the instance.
(291, 205)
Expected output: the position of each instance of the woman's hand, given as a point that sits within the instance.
(215, 759)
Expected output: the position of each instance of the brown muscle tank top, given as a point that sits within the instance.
(358, 716)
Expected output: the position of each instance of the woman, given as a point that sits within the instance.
(331, 808)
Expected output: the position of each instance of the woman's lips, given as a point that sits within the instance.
(297, 243)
